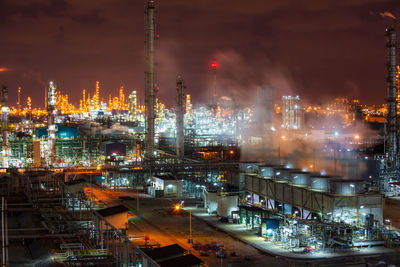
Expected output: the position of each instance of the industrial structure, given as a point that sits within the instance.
(180, 112)
(390, 172)
(149, 73)
(51, 126)
(284, 203)
(392, 120)
(4, 125)
(214, 100)
(292, 113)
(64, 168)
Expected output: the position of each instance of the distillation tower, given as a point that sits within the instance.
(180, 112)
(51, 126)
(4, 124)
(392, 132)
(150, 37)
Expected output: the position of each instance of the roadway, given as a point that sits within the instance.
(155, 220)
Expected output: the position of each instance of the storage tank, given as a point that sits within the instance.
(345, 187)
(319, 182)
(299, 178)
(282, 175)
(248, 166)
(227, 204)
(212, 202)
(267, 171)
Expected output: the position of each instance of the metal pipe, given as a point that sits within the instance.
(126, 251)
(3, 247)
(120, 251)
(101, 235)
(107, 238)
(6, 228)
(150, 37)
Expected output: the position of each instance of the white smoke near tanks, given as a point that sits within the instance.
(116, 129)
(327, 145)
(238, 80)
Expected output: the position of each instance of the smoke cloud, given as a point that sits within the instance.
(238, 79)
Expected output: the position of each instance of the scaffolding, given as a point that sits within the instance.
(78, 234)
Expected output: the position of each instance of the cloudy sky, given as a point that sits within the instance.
(318, 49)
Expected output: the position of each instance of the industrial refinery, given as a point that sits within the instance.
(91, 177)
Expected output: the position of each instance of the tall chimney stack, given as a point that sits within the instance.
(180, 111)
(150, 36)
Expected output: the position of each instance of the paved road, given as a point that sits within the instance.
(156, 220)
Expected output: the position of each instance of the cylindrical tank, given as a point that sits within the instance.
(267, 171)
(345, 187)
(227, 204)
(248, 166)
(299, 178)
(319, 182)
(212, 201)
(282, 175)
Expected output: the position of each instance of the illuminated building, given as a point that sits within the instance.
(292, 113)
(133, 103)
(189, 110)
(96, 97)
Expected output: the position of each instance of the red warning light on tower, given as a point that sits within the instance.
(214, 65)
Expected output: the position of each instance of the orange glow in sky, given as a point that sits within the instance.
(3, 69)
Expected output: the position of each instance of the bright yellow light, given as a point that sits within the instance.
(356, 137)
(231, 152)
(177, 207)
(98, 167)
(283, 137)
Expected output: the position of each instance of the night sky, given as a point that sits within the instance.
(318, 49)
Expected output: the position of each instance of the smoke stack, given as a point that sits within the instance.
(150, 36)
(214, 102)
(180, 111)
(51, 127)
(392, 140)
(4, 123)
